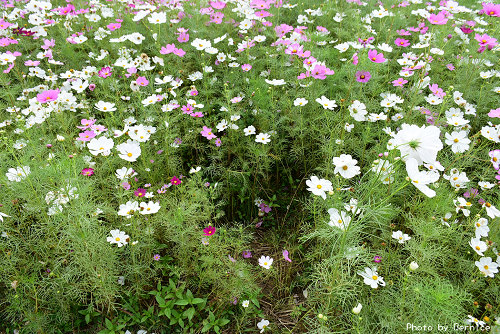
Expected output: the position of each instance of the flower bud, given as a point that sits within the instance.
(413, 266)
(357, 309)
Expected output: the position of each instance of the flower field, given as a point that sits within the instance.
(249, 166)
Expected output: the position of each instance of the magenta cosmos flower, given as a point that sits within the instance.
(208, 231)
(376, 57)
(175, 181)
(207, 133)
(362, 76)
(156, 257)
(104, 72)
(140, 192)
(87, 171)
(48, 96)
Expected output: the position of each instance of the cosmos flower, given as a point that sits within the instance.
(208, 231)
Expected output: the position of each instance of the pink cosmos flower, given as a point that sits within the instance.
(125, 185)
(376, 57)
(236, 99)
(366, 41)
(130, 71)
(399, 82)
(114, 26)
(104, 72)
(179, 52)
(187, 109)
(86, 123)
(217, 4)
(208, 231)
(169, 48)
(198, 114)
(363, 76)
(282, 29)
(87, 172)
(402, 42)
(92, 87)
(263, 13)
(142, 81)
(247, 254)
(183, 37)
(156, 257)
(437, 91)
(450, 67)
(218, 142)
(246, 67)
(486, 41)
(403, 32)
(438, 19)
(4, 24)
(285, 256)
(494, 113)
(48, 96)
(32, 63)
(207, 133)
(86, 135)
(355, 59)
(490, 9)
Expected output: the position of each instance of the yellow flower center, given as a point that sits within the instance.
(374, 277)
(129, 154)
(319, 186)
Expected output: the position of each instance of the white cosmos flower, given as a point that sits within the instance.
(149, 207)
(421, 179)
(420, 143)
(101, 145)
(326, 103)
(105, 106)
(400, 236)
(487, 266)
(491, 210)
(345, 165)
(478, 246)
(319, 187)
(124, 173)
(265, 261)
(300, 102)
(262, 325)
(371, 277)
(127, 210)
(118, 237)
(18, 174)
(482, 229)
(339, 219)
(263, 138)
(129, 150)
(250, 130)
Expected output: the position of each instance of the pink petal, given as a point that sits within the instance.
(285, 255)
